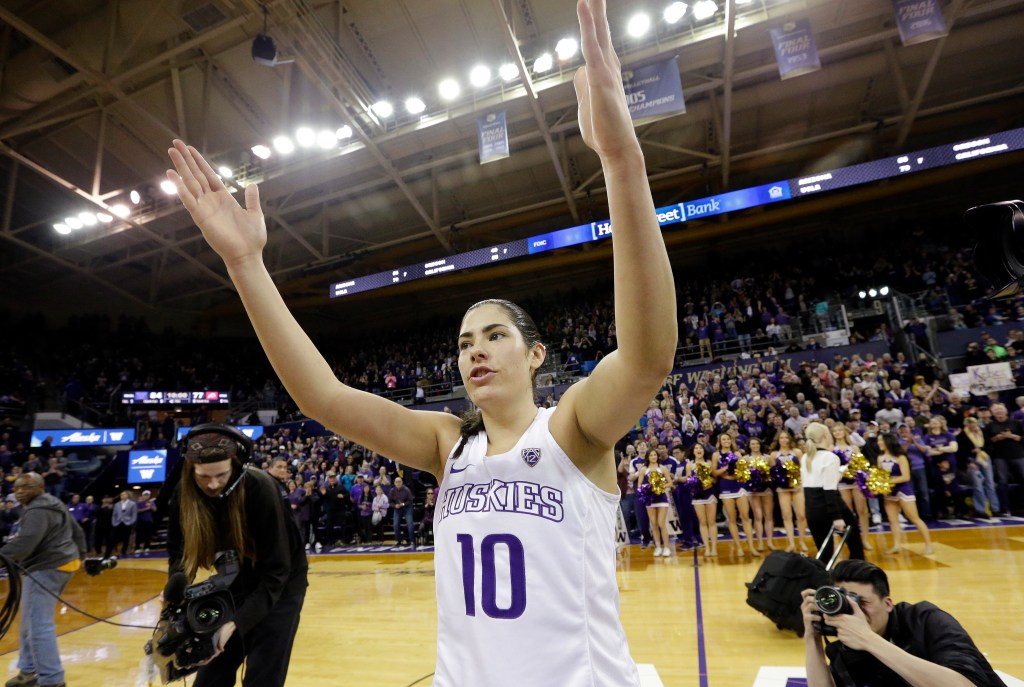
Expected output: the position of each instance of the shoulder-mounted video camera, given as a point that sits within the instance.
(192, 614)
(999, 253)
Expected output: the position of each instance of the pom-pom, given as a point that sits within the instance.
(742, 471)
(793, 472)
(692, 484)
(879, 482)
(758, 475)
(858, 463)
(644, 495)
(703, 473)
(779, 476)
(658, 482)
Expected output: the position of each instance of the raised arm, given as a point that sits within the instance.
(605, 405)
(418, 439)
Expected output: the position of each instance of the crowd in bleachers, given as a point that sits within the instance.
(961, 461)
(750, 306)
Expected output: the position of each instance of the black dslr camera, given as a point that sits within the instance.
(832, 601)
(184, 635)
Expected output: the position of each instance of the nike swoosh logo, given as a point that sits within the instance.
(455, 470)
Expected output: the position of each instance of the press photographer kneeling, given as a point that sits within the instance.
(885, 644)
(220, 505)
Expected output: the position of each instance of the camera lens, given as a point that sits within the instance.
(208, 616)
(829, 600)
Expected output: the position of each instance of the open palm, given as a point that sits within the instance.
(234, 232)
(604, 116)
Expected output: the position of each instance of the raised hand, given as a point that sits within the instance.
(235, 233)
(604, 116)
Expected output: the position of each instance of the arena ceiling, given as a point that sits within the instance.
(93, 92)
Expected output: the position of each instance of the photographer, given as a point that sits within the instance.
(222, 505)
(48, 546)
(882, 644)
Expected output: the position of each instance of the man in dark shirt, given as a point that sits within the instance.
(1003, 442)
(886, 644)
(401, 505)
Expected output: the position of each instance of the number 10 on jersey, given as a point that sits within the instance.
(489, 591)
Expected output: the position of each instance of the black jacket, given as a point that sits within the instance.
(278, 567)
(923, 630)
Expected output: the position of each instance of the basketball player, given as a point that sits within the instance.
(525, 520)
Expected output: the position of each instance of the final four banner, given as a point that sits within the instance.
(654, 90)
(492, 133)
(919, 20)
(795, 51)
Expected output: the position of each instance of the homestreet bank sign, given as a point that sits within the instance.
(692, 375)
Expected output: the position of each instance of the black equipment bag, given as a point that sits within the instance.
(775, 591)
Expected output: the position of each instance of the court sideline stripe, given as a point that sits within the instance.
(702, 659)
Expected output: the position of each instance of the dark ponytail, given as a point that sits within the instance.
(472, 424)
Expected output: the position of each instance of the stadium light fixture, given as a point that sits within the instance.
(135, 197)
(261, 151)
(508, 71)
(62, 228)
(121, 210)
(283, 145)
(480, 76)
(343, 132)
(448, 89)
(383, 109)
(414, 105)
(704, 9)
(305, 137)
(104, 217)
(168, 187)
(566, 49)
(73, 222)
(543, 63)
(675, 12)
(88, 219)
(638, 25)
(225, 172)
(326, 139)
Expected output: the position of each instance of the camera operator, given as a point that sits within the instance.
(885, 644)
(49, 546)
(222, 505)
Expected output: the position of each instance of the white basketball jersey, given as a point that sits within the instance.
(525, 571)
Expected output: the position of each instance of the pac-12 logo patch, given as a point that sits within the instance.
(531, 456)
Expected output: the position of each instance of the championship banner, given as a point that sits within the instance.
(492, 134)
(919, 20)
(795, 51)
(654, 91)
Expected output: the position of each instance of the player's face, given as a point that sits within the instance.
(493, 355)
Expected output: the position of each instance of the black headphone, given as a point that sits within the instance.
(243, 443)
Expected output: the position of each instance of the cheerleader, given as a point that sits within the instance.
(732, 493)
(762, 503)
(705, 503)
(791, 499)
(893, 459)
(852, 496)
(657, 506)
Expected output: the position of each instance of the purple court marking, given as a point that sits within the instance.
(702, 659)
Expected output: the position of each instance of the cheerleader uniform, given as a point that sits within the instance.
(658, 500)
(845, 454)
(785, 458)
(728, 487)
(900, 492)
(703, 496)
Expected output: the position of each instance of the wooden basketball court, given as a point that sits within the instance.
(370, 619)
